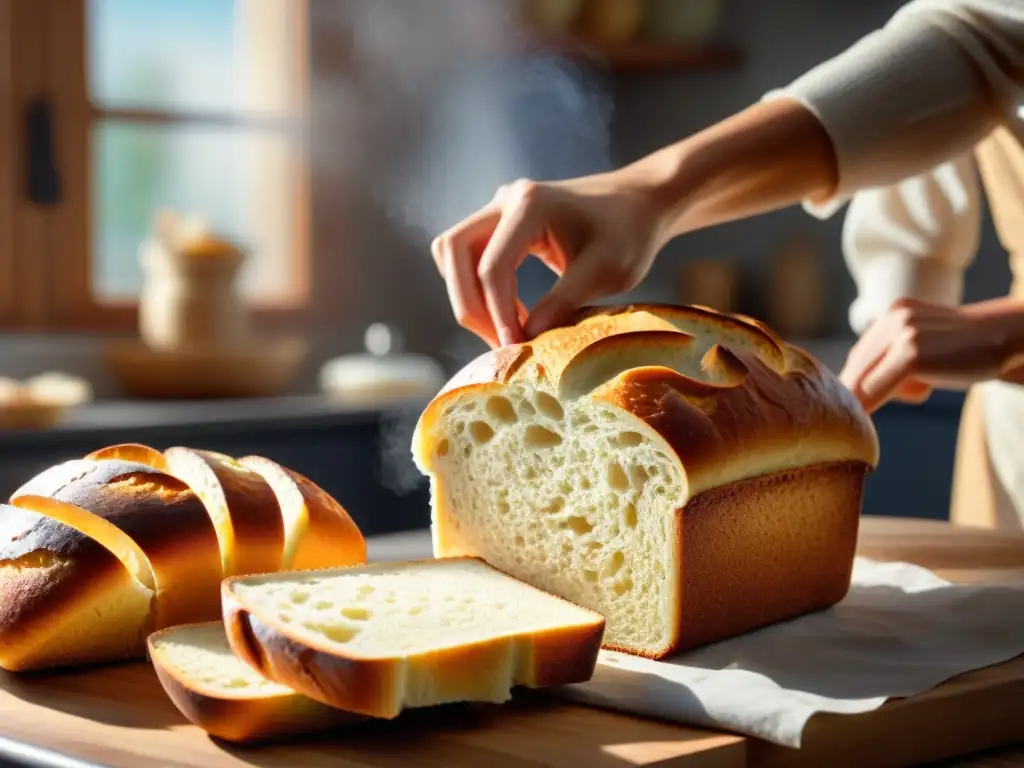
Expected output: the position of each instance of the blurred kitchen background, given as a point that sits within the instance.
(215, 215)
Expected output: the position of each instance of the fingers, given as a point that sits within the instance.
(464, 295)
(882, 381)
(913, 391)
(582, 282)
(505, 251)
(456, 254)
(473, 230)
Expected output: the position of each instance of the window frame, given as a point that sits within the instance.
(49, 262)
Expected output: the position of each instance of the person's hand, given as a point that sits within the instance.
(918, 346)
(598, 233)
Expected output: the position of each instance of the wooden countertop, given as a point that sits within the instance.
(120, 716)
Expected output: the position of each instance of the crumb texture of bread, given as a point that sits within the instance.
(381, 638)
(227, 698)
(578, 463)
(200, 654)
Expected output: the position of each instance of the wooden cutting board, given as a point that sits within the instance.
(119, 716)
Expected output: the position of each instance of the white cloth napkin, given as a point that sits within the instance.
(901, 630)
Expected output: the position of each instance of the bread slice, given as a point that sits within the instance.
(377, 639)
(153, 522)
(318, 531)
(66, 599)
(681, 471)
(242, 505)
(224, 696)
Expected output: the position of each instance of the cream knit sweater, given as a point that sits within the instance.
(904, 107)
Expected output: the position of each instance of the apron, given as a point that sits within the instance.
(988, 479)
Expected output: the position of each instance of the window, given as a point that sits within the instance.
(194, 105)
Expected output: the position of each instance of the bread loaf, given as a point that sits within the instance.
(378, 639)
(96, 553)
(130, 509)
(681, 471)
(318, 531)
(65, 599)
(224, 696)
(245, 511)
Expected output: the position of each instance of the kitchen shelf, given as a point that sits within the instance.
(641, 56)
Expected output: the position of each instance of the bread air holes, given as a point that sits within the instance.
(578, 525)
(617, 478)
(555, 506)
(614, 563)
(540, 437)
(549, 406)
(356, 612)
(629, 515)
(480, 432)
(500, 409)
(629, 439)
(339, 633)
(443, 447)
(299, 597)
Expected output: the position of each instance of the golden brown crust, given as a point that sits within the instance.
(242, 719)
(745, 404)
(762, 551)
(146, 504)
(49, 570)
(141, 454)
(232, 490)
(331, 538)
(368, 686)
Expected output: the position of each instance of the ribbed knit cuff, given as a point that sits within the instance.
(899, 101)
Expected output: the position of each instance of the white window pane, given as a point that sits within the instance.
(241, 182)
(225, 55)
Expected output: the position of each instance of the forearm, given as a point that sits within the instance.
(769, 156)
(1006, 318)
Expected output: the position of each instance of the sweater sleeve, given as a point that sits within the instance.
(923, 89)
(913, 239)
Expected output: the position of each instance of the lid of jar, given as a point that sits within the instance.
(384, 367)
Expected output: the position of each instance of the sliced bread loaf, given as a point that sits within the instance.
(227, 698)
(682, 471)
(131, 508)
(318, 531)
(67, 600)
(381, 638)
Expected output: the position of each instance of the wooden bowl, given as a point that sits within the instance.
(261, 368)
(32, 415)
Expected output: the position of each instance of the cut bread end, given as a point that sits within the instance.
(577, 498)
(318, 531)
(381, 638)
(227, 698)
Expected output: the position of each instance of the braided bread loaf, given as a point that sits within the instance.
(681, 471)
(97, 553)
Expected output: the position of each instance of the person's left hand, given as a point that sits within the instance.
(918, 346)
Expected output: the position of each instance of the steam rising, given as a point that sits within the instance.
(434, 106)
(426, 108)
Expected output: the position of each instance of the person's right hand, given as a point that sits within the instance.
(598, 233)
